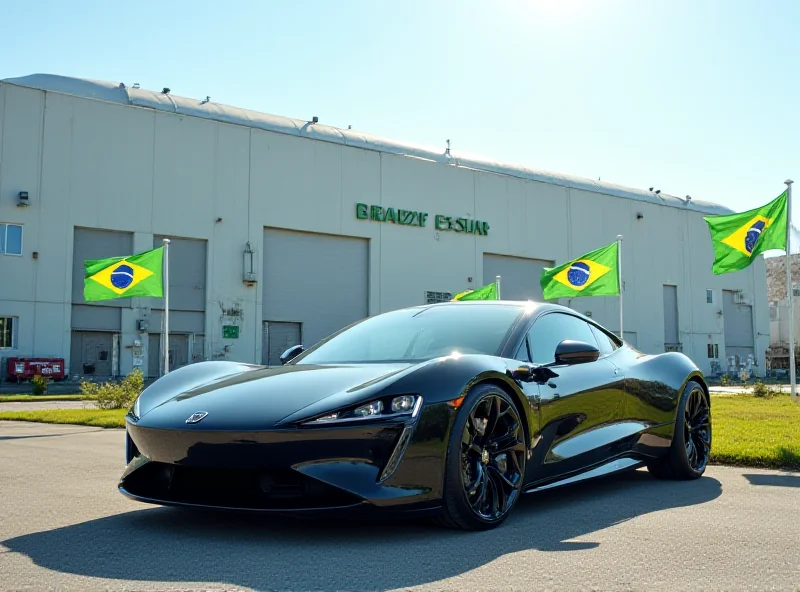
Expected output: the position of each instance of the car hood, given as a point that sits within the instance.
(260, 398)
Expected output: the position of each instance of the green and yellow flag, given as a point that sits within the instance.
(738, 238)
(487, 292)
(124, 277)
(593, 274)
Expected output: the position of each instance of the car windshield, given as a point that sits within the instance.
(412, 335)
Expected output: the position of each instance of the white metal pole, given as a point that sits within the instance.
(619, 272)
(790, 291)
(497, 279)
(166, 306)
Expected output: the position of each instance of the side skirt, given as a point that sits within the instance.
(615, 466)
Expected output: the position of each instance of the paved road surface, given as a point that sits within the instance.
(40, 405)
(64, 527)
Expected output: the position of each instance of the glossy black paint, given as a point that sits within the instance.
(578, 413)
(575, 352)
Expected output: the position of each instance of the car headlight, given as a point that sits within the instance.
(385, 408)
(136, 408)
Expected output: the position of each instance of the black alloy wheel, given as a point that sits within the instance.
(488, 443)
(690, 450)
(697, 430)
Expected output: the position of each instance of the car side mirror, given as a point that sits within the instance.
(291, 353)
(576, 352)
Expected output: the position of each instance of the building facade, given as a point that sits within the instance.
(283, 231)
(777, 355)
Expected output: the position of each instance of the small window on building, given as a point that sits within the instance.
(8, 332)
(436, 297)
(710, 296)
(713, 351)
(10, 239)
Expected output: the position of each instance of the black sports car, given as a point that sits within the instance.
(452, 409)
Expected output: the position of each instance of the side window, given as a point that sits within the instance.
(522, 351)
(550, 330)
(605, 343)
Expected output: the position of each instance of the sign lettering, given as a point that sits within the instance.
(413, 218)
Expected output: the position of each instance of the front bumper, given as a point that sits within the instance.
(383, 466)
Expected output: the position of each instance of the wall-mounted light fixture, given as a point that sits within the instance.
(249, 276)
(23, 199)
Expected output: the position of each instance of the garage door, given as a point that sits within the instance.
(95, 354)
(671, 331)
(319, 281)
(276, 339)
(178, 353)
(738, 319)
(519, 277)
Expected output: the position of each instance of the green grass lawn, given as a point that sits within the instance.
(101, 418)
(748, 431)
(29, 398)
(755, 432)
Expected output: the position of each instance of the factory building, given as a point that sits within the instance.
(283, 231)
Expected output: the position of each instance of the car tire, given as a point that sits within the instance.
(690, 450)
(487, 461)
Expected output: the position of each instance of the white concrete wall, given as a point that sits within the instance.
(779, 328)
(87, 163)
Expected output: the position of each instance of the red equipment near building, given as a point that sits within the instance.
(18, 369)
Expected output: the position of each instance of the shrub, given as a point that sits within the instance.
(762, 390)
(39, 385)
(725, 380)
(115, 395)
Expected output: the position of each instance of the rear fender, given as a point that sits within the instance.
(654, 385)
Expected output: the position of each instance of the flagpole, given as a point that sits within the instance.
(619, 275)
(790, 291)
(166, 306)
(497, 280)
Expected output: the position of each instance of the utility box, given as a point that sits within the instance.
(19, 369)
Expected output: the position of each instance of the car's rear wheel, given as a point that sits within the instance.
(485, 461)
(691, 442)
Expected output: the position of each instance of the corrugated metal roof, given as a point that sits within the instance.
(115, 92)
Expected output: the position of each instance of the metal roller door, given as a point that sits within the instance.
(672, 340)
(519, 277)
(94, 347)
(178, 353)
(277, 338)
(95, 354)
(738, 319)
(318, 281)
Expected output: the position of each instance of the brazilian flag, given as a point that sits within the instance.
(593, 274)
(739, 238)
(124, 277)
(487, 292)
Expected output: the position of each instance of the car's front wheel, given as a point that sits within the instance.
(691, 442)
(485, 461)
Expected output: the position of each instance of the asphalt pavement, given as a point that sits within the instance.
(64, 526)
(45, 405)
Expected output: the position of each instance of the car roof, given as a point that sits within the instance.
(531, 307)
(528, 305)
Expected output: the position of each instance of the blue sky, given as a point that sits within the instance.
(698, 98)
